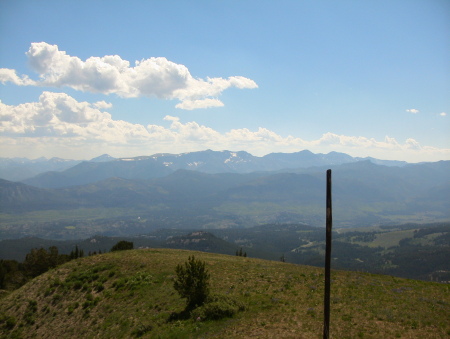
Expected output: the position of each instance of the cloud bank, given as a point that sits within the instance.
(153, 77)
(57, 125)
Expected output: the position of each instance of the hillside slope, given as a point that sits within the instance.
(130, 294)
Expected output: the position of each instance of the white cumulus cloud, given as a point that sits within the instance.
(60, 115)
(59, 125)
(152, 77)
(9, 75)
(102, 104)
(200, 103)
(413, 111)
(443, 114)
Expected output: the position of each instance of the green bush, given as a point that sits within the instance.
(77, 284)
(7, 322)
(217, 307)
(122, 245)
(120, 283)
(30, 312)
(98, 286)
(56, 299)
(10, 323)
(192, 282)
(142, 330)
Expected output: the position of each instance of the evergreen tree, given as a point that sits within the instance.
(241, 253)
(192, 282)
(75, 254)
(122, 245)
(40, 260)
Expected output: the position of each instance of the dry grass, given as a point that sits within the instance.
(130, 294)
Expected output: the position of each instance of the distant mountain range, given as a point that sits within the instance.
(56, 173)
(16, 169)
(226, 189)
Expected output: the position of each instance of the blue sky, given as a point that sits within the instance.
(368, 78)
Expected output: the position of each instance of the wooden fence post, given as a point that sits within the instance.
(329, 224)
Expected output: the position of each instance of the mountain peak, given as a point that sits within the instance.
(102, 158)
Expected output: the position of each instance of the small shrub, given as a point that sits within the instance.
(90, 302)
(120, 283)
(32, 305)
(10, 323)
(77, 284)
(72, 308)
(133, 282)
(29, 314)
(99, 287)
(56, 282)
(217, 307)
(7, 322)
(192, 282)
(49, 291)
(141, 330)
(56, 298)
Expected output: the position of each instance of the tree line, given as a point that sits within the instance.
(14, 274)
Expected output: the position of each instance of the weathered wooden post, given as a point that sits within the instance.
(329, 223)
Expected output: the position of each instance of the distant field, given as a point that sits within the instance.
(72, 214)
(65, 224)
(391, 239)
(384, 239)
(359, 229)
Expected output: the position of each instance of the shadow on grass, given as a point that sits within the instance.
(183, 315)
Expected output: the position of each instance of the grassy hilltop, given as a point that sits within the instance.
(130, 294)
